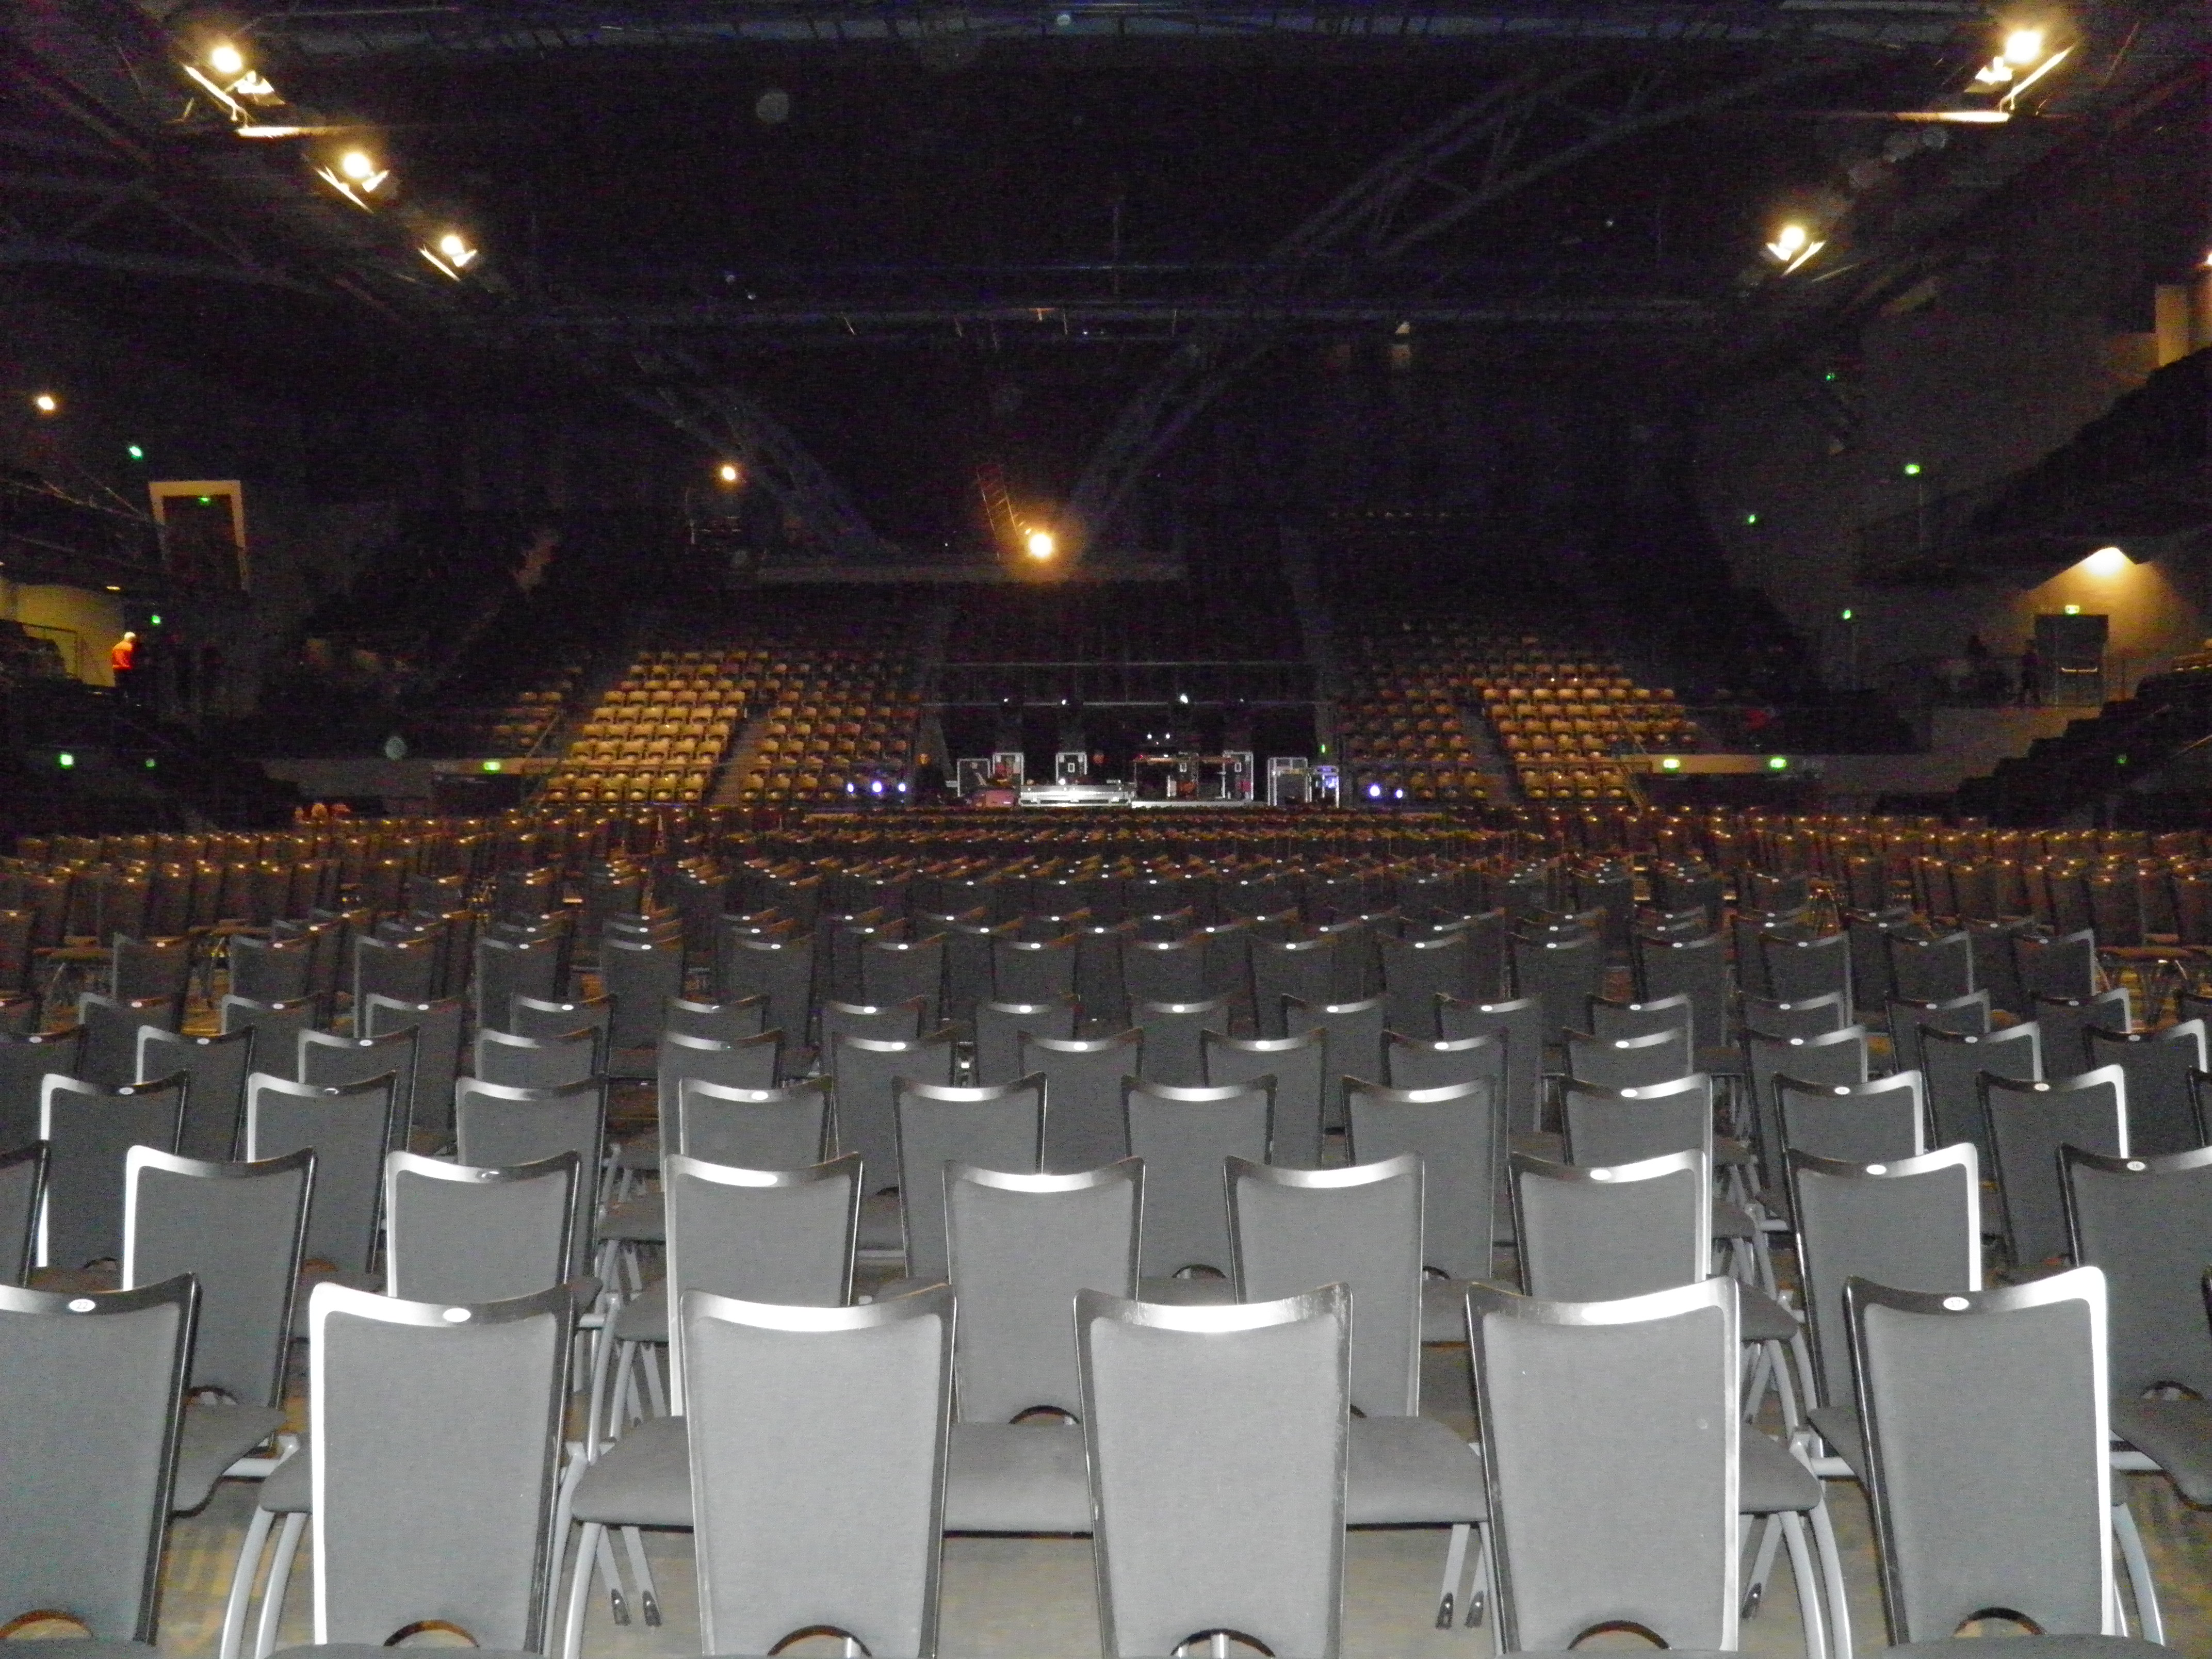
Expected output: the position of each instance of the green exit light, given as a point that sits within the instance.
(1911, 470)
(1847, 613)
(1751, 517)
(1830, 375)
(66, 760)
(154, 621)
(1671, 763)
(135, 452)
(2073, 610)
(491, 766)
(1778, 763)
(149, 762)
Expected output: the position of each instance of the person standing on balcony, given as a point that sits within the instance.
(122, 666)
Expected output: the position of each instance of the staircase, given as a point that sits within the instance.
(2096, 758)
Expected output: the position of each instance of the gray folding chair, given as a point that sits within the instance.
(782, 1236)
(999, 1028)
(276, 1025)
(1951, 1061)
(1519, 1025)
(1175, 1033)
(22, 1190)
(1362, 1227)
(522, 1062)
(1915, 1223)
(1612, 1457)
(780, 969)
(1458, 1131)
(1416, 972)
(2025, 1125)
(1083, 1126)
(850, 1406)
(1988, 1471)
(507, 968)
(1798, 968)
(1695, 968)
(1294, 1065)
(1636, 1062)
(215, 1101)
(784, 1128)
(900, 970)
(2062, 965)
(239, 1229)
(25, 1063)
(531, 1016)
(1563, 972)
(1805, 1017)
(716, 1022)
(1940, 969)
(749, 1062)
(1161, 970)
(1967, 1015)
(1883, 1121)
(497, 1126)
(890, 1022)
(270, 970)
(2064, 1021)
(996, 1127)
(1040, 971)
(89, 1419)
(328, 1060)
(641, 975)
(110, 1054)
(1608, 1019)
(2161, 1118)
(1021, 1247)
(1217, 1448)
(457, 1232)
(89, 1131)
(1304, 968)
(1352, 1042)
(1183, 1136)
(348, 1130)
(865, 1073)
(405, 969)
(1602, 1125)
(436, 1433)
(1832, 1058)
(437, 1027)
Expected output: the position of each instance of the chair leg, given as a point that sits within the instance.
(1811, 1587)
(2143, 1588)
(580, 1589)
(648, 1599)
(241, 1582)
(280, 1580)
(1454, 1569)
(1762, 1566)
(1478, 1599)
(1831, 1574)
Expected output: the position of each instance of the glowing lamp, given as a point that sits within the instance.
(224, 58)
(2105, 561)
(2023, 46)
(1041, 544)
(47, 404)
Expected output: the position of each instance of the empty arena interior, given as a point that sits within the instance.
(853, 826)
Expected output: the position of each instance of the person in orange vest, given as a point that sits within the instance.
(123, 664)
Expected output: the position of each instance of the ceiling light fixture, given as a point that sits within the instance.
(451, 253)
(1792, 246)
(356, 176)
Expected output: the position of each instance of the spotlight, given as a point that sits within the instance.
(1792, 246)
(2023, 47)
(224, 58)
(356, 177)
(1041, 544)
(47, 404)
(1375, 792)
(2106, 562)
(451, 254)
(357, 165)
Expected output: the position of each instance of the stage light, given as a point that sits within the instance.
(224, 58)
(1375, 792)
(1041, 544)
(2106, 562)
(1778, 763)
(47, 404)
(875, 785)
(357, 165)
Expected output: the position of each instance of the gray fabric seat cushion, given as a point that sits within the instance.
(639, 1220)
(1839, 1426)
(289, 1489)
(214, 1437)
(1773, 1482)
(1765, 1320)
(2174, 1434)
(1016, 1477)
(1733, 1221)
(1412, 1471)
(644, 1317)
(2035, 1647)
(883, 1232)
(642, 1479)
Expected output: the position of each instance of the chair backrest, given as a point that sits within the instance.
(1416, 972)
(2026, 1124)
(535, 1017)
(437, 1027)
(1608, 1019)
(2162, 1117)
(641, 975)
(1358, 1226)
(1915, 1223)
(497, 1126)
(782, 1236)
(1458, 1133)
(1605, 1126)
(437, 1436)
(850, 1406)
(405, 969)
(111, 1025)
(548, 1062)
(1083, 1126)
(1175, 1034)
(239, 1229)
(998, 1027)
(270, 970)
(1351, 1043)
(994, 1126)
(89, 1131)
(717, 1022)
(457, 1232)
(2146, 1222)
(1907, 1020)
(1563, 972)
(783, 1128)
(1020, 1247)
(1933, 969)
(2062, 965)
(1798, 967)
(1802, 1017)
(1184, 1136)
(330, 1060)
(1629, 1062)
(2064, 1021)
(22, 1190)
(899, 970)
(749, 1062)
(276, 1025)
(1593, 1233)
(1695, 968)
(1160, 969)
(507, 968)
(1219, 1440)
(780, 969)
(214, 1104)
(864, 1074)
(890, 1022)
(1830, 1058)
(1304, 968)
(1610, 1444)
(1295, 1064)
(90, 1419)
(1519, 1025)
(1036, 970)
(1881, 1122)
(348, 1129)
(1949, 1063)
(25, 1063)
(1989, 1468)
